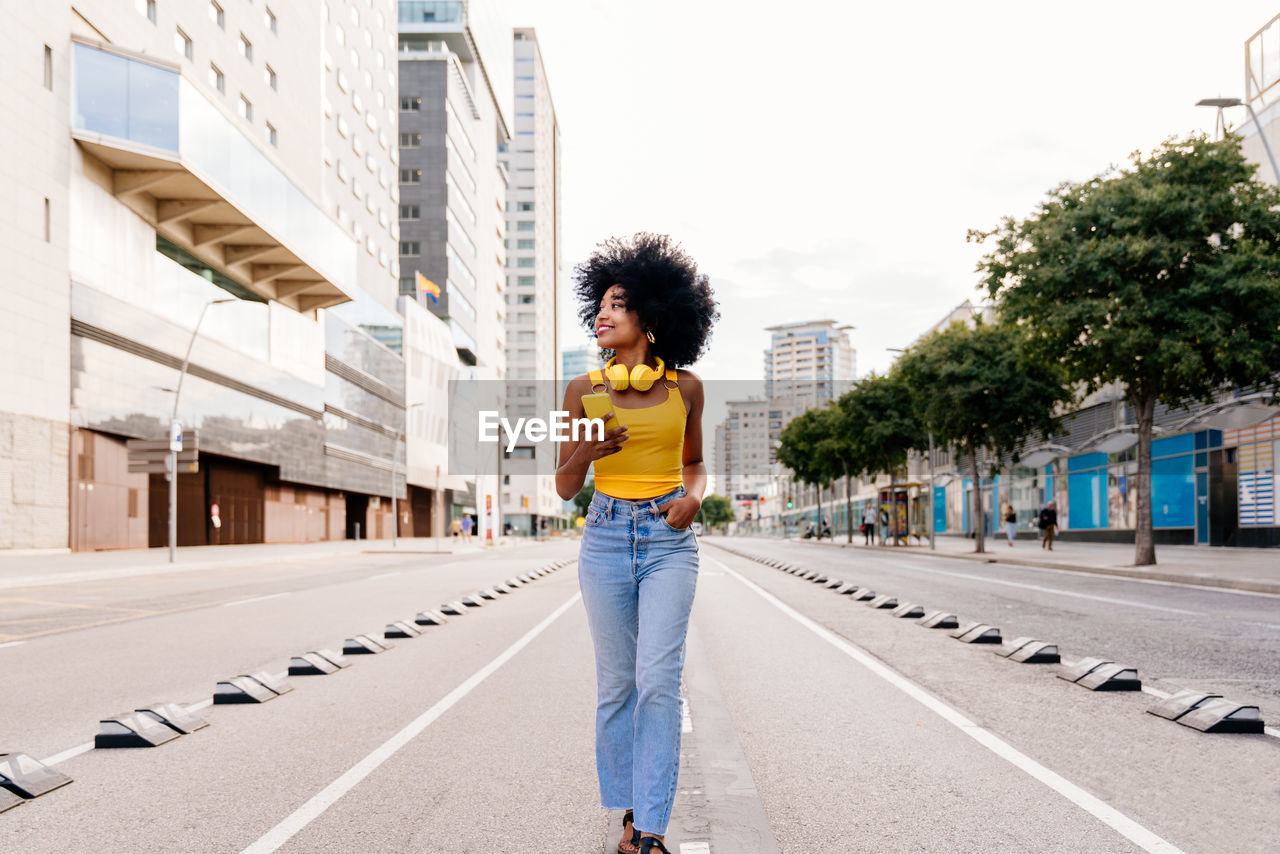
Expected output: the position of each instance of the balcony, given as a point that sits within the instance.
(182, 166)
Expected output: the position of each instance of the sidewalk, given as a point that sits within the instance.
(28, 569)
(1256, 570)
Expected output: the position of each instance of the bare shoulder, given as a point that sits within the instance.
(581, 384)
(688, 379)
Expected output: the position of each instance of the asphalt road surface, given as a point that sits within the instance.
(813, 723)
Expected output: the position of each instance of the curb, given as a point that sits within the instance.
(1246, 584)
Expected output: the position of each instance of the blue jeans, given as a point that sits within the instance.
(637, 575)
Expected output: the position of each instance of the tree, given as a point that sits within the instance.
(1163, 276)
(880, 426)
(806, 447)
(582, 500)
(976, 387)
(717, 510)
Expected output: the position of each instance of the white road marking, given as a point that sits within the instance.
(686, 722)
(695, 848)
(1131, 603)
(68, 754)
(1099, 809)
(255, 599)
(12, 643)
(386, 575)
(312, 809)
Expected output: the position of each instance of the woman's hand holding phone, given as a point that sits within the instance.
(610, 443)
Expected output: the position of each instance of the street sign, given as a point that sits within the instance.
(175, 436)
(746, 496)
(162, 467)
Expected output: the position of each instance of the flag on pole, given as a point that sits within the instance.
(426, 286)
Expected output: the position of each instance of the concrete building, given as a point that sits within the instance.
(455, 79)
(578, 361)
(813, 359)
(182, 162)
(532, 160)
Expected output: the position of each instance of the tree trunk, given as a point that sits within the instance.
(1144, 544)
(979, 524)
(818, 536)
(848, 507)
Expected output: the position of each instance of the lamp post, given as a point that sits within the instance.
(175, 434)
(1222, 103)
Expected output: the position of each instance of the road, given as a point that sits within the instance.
(813, 723)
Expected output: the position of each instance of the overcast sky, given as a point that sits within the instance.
(825, 159)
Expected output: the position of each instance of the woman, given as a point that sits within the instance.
(638, 564)
(1010, 524)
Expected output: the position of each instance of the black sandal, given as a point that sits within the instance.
(629, 816)
(649, 843)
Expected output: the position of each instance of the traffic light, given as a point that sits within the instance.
(789, 504)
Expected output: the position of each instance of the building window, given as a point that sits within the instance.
(182, 43)
(343, 127)
(524, 244)
(409, 248)
(524, 206)
(410, 212)
(48, 221)
(272, 137)
(524, 225)
(48, 68)
(410, 103)
(246, 108)
(269, 18)
(147, 8)
(343, 174)
(524, 262)
(246, 48)
(217, 15)
(269, 74)
(216, 78)
(526, 281)
(410, 140)
(410, 176)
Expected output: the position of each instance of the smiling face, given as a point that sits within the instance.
(616, 326)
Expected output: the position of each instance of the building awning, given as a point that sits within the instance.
(183, 167)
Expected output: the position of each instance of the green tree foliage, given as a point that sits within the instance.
(583, 499)
(1163, 276)
(977, 387)
(877, 426)
(807, 447)
(717, 511)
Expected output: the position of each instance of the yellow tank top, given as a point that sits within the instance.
(651, 462)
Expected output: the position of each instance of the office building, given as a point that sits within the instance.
(811, 360)
(455, 78)
(532, 160)
(182, 170)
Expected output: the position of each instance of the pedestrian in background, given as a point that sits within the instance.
(1048, 524)
(884, 524)
(869, 526)
(466, 528)
(1010, 524)
(455, 528)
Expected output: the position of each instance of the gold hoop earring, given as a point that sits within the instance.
(649, 335)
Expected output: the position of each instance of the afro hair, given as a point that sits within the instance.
(670, 298)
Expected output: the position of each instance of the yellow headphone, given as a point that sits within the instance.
(641, 377)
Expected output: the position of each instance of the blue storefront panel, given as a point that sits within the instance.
(1087, 491)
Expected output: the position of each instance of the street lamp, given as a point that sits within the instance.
(175, 434)
(1222, 103)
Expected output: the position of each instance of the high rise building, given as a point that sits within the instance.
(455, 75)
(532, 160)
(184, 185)
(810, 360)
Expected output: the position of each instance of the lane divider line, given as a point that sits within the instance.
(12, 643)
(1099, 809)
(255, 599)
(315, 807)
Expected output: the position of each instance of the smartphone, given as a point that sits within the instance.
(597, 405)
